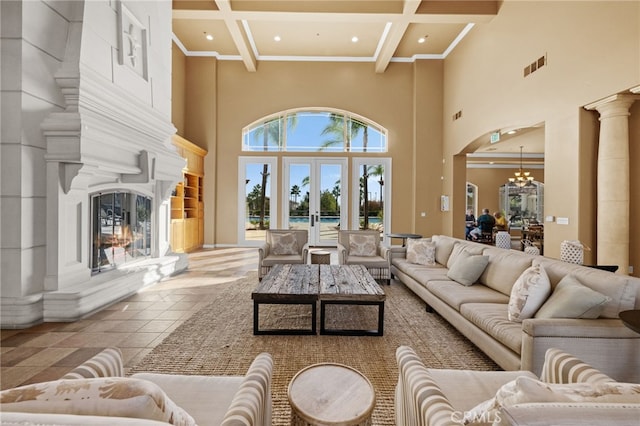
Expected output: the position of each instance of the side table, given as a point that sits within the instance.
(330, 394)
(320, 257)
(631, 319)
(404, 237)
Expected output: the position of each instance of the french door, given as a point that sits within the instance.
(315, 197)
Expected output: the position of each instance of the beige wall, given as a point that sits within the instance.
(405, 99)
(483, 77)
(593, 50)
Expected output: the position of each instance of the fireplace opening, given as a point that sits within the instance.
(121, 228)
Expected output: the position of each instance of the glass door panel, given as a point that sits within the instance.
(298, 190)
(372, 207)
(316, 189)
(257, 204)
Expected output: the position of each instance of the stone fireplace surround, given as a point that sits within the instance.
(113, 133)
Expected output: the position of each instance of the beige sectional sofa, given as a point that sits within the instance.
(480, 311)
(97, 393)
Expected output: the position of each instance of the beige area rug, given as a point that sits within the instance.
(219, 340)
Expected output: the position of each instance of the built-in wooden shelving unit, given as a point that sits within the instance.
(187, 202)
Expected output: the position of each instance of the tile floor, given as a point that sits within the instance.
(135, 325)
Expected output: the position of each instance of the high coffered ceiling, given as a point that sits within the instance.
(324, 30)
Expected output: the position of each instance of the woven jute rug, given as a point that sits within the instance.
(219, 340)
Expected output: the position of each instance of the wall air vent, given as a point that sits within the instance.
(457, 115)
(535, 65)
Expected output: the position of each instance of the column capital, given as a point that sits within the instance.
(613, 105)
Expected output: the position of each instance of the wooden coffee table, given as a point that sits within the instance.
(349, 285)
(287, 285)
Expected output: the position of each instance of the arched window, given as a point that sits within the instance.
(314, 130)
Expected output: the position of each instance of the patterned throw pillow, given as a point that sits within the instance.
(528, 293)
(283, 244)
(421, 251)
(362, 245)
(112, 396)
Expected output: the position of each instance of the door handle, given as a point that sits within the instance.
(312, 220)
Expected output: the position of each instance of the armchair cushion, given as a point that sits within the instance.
(284, 244)
(525, 390)
(113, 397)
(362, 245)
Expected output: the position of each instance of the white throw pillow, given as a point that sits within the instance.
(421, 251)
(528, 293)
(104, 396)
(284, 244)
(362, 245)
(524, 390)
(571, 299)
(467, 268)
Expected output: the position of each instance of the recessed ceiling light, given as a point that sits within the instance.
(208, 36)
(354, 39)
(277, 38)
(422, 39)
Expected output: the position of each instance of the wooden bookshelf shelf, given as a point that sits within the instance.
(187, 201)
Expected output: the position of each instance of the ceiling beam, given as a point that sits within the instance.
(398, 28)
(237, 35)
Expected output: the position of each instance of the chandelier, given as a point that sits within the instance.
(521, 178)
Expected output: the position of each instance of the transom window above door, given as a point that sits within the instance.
(314, 130)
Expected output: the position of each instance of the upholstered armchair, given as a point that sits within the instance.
(282, 246)
(365, 248)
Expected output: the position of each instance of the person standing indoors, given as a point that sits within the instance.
(470, 223)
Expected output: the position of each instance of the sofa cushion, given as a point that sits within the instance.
(362, 245)
(618, 287)
(492, 319)
(464, 247)
(284, 243)
(455, 294)
(529, 293)
(421, 251)
(467, 268)
(421, 273)
(504, 268)
(206, 398)
(272, 260)
(571, 299)
(111, 396)
(444, 247)
(524, 390)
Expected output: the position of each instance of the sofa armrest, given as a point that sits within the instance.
(305, 253)
(561, 367)
(263, 251)
(107, 363)
(251, 405)
(342, 254)
(385, 252)
(606, 344)
(419, 400)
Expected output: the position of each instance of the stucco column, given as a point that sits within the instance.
(613, 181)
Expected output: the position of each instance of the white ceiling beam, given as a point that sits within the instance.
(332, 17)
(237, 35)
(395, 35)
